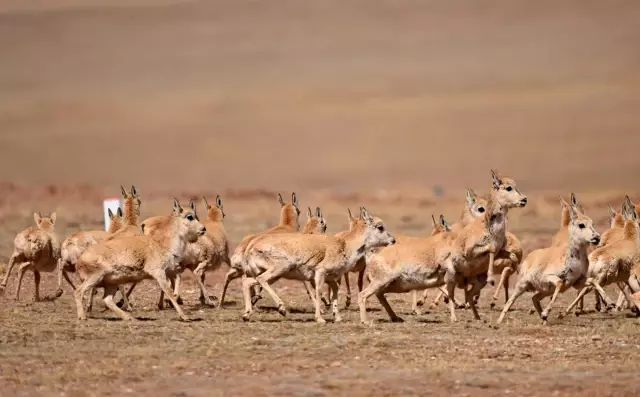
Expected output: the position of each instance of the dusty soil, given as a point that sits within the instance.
(397, 106)
(44, 350)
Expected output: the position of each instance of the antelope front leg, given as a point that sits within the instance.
(319, 279)
(205, 299)
(347, 302)
(335, 287)
(161, 278)
(491, 276)
(451, 288)
(414, 303)
(60, 277)
(504, 281)
(520, 289)
(579, 298)
(558, 287)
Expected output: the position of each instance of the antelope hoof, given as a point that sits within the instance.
(531, 311)
(420, 303)
(255, 299)
(397, 319)
(492, 282)
(598, 306)
(347, 302)
(246, 316)
(338, 319)
(321, 320)
(282, 310)
(415, 313)
(544, 315)
(58, 293)
(207, 301)
(562, 314)
(492, 305)
(326, 302)
(83, 317)
(179, 300)
(446, 300)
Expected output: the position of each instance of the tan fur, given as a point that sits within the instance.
(131, 216)
(207, 254)
(483, 237)
(289, 214)
(562, 236)
(454, 259)
(506, 261)
(615, 262)
(316, 224)
(135, 258)
(321, 258)
(36, 249)
(74, 245)
(410, 265)
(550, 271)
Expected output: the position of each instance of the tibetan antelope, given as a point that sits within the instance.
(614, 263)
(306, 257)
(135, 258)
(289, 223)
(550, 271)
(36, 249)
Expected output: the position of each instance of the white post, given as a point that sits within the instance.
(110, 204)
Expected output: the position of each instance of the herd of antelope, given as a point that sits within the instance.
(468, 254)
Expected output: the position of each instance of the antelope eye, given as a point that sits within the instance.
(189, 217)
(481, 210)
(581, 226)
(509, 188)
(381, 228)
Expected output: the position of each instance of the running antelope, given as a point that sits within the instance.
(135, 258)
(207, 254)
(289, 223)
(550, 271)
(615, 262)
(36, 249)
(321, 258)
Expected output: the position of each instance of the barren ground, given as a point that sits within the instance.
(348, 103)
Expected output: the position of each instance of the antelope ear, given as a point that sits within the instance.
(110, 213)
(119, 212)
(53, 218)
(471, 197)
(574, 201)
(37, 217)
(350, 216)
(364, 214)
(497, 181)
(573, 212)
(192, 205)
(205, 203)
(124, 192)
(433, 221)
(612, 212)
(563, 202)
(280, 200)
(318, 212)
(309, 214)
(177, 208)
(294, 200)
(134, 192)
(219, 202)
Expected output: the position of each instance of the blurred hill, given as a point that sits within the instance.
(348, 94)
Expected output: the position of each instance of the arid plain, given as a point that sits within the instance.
(397, 106)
